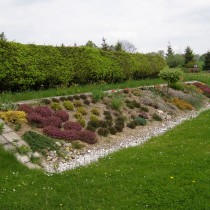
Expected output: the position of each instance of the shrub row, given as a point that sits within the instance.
(29, 66)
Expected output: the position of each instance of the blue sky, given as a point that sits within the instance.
(149, 25)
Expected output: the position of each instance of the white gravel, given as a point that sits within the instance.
(94, 154)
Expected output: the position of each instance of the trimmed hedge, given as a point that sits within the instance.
(29, 66)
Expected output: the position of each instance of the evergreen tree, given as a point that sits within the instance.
(170, 51)
(207, 61)
(91, 44)
(2, 36)
(189, 57)
(104, 45)
(118, 46)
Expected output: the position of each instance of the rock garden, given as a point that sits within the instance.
(65, 132)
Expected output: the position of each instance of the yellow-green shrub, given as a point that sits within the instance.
(95, 111)
(14, 116)
(56, 106)
(94, 117)
(68, 105)
(181, 104)
(82, 110)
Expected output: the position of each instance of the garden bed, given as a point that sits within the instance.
(66, 132)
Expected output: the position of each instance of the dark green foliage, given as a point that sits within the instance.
(140, 121)
(144, 109)
(70, 98)
(55, 100)
(156, 117)
(90, 126)
(112, 130)
(83, 96)
(131, 124)
(103, 132)
(103, 124)
(119, 128)
(29, 66)
(87, 102)
(46, 101)
(207, 61)
(176, 60)
(39, 142)
(63, 98)
(189, 57)
(76, 97)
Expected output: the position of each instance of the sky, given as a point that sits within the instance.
(149, 24)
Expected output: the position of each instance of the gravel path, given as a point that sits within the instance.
(125, 142)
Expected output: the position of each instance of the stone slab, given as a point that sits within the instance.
(32, 165)
(9, 147)
(11, 136)
(3, 140)
(22, 158)
(19, 143)
(7, 129)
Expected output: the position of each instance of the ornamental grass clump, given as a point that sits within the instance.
(70, 135)
(63, 115)
(68, 105)
(116, 103)
(98, 94)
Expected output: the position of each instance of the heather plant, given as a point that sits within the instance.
(78, 115)
(77, 103)
(86, 101)
(94, 123)
(44, 111)
(144, 109)
(82, 110)
(55, 100)
(72, 125)
(103, 132)
(14, 116)
(112, 130)
(68, 105)
(25, 108)
(91, 126)
(94, 117)
(143, 115)
(131, 124)
(70, 98)
(63, 98)
(95, 111)
(63, 115)
(77, 145)
(135, 104)
(181, 104)
(83, 96)
(76, 97)
(54, 121)
(204, 88)
(88, 136)
(81, 121)
(46, 101)
(156, 117)
(103, 124)
(56, 106)
(35, 118)
(136, 92)
(119, 127)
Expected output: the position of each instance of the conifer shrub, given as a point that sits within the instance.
(119, 127)
(78, 115)
(90, 126)
(63, 98)
(144, 109)
(55, 106)
(81, 121)
(63, 115)
(77, 103)
(103, 132)
(103, 124)
(116, 103)
(88, 136)
(68, 105)
(94, 123)
(72, 126)
(94, 117)
(140, 121)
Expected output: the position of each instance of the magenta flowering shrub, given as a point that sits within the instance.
(55, 121)
(88, 136)
(44, 111)
(35, 118)
(63, 115)
(72, 125)
(25, 108)
(52, 131)
(70, 135)
(204, 88)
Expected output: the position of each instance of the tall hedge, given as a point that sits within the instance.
(29, 66)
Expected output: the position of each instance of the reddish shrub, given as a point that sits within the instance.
(25, 108)
(70, 135)
(72, 125)
(55, 121)
(63, 115)
(204, 88)
(35, 118)
(44, 111)
(88, 136)
(53, 132)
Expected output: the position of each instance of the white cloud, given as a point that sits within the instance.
(149, 25)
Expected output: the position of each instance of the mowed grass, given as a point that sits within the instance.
(167, 172)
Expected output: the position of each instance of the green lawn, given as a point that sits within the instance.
(168, 172)
(28, 95)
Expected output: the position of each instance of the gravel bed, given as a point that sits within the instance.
(146, 133)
